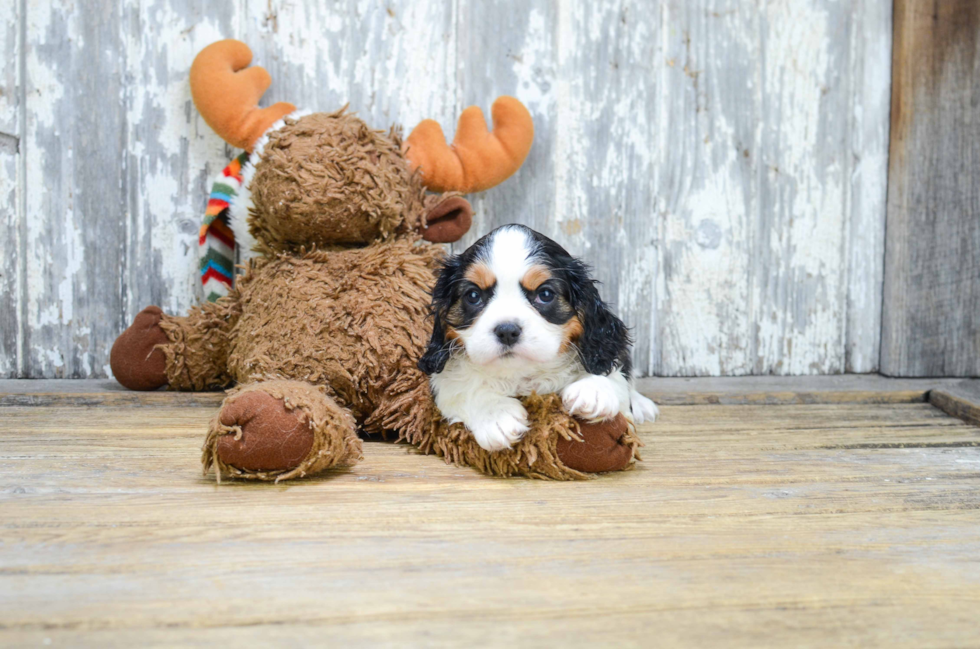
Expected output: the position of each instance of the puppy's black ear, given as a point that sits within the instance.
(439, 349)
(438, 352)
(605, 340)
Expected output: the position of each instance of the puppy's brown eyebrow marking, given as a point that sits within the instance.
(535, 277)
(481, 275)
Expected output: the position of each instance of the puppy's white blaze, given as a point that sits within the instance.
(509, 257)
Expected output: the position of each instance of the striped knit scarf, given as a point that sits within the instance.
(217, 241)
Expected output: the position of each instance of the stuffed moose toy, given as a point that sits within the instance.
(322, 332)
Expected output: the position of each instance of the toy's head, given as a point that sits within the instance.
(328, 179)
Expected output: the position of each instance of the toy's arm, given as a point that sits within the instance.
(188, 353)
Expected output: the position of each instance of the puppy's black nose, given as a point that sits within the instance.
(508, 333)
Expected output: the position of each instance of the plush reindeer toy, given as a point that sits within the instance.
(323, 331)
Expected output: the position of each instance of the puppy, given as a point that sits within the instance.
(516, 314)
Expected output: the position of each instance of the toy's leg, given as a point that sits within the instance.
(189, 353)
(276, 430)
(557, 446)
(405, 407)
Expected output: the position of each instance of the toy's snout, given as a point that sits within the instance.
(447, 220)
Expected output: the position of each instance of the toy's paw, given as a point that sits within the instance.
(502, 427)
(602, 447)
(643, 409)
(272, 438)
(591, 398)
(134, 359)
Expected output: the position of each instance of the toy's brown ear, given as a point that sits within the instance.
(447, 220)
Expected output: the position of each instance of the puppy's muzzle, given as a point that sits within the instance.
(508, 333)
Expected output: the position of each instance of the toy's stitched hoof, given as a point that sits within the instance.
(271, 438)
(602, 447)
(277, 430)
(135, 360)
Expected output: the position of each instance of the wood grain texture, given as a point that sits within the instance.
(719, 162)
(392, 62)
(960, 400)
(867, 152)
(116, 174)
(762, 184)
(806, 525)
(721, 165)
(931, 319)
(732, 390)
(74, 210)
(10, 174)
(170, 156)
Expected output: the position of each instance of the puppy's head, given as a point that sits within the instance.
(516, 297)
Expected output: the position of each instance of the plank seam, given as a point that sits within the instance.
(897, 16)
(21, 300)
(692, 398)
(9, 143)
(956, 406)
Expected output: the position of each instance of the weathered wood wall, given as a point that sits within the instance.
(932, 284)
(10, 174)
(722, 163)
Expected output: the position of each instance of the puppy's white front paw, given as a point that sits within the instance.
(500, 429)
(593, 397)
(643, 409)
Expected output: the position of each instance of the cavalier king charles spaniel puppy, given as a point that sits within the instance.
(516, 314)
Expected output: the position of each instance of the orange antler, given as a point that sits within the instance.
(227, 93)
(478, 159)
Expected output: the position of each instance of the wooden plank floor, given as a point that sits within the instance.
(747, 525)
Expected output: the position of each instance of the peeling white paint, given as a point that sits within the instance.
(49, 214)
(571, 196)
(724, 171)
(10, 184)
(534, 68)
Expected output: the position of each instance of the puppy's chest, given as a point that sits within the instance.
(546, 379)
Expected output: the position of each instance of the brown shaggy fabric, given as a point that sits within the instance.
(328, 178)
(352, 319)
(535, 456)
(197, 353)
(335, 441)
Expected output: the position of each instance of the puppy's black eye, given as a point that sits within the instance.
(544, 296)
(473, 297)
